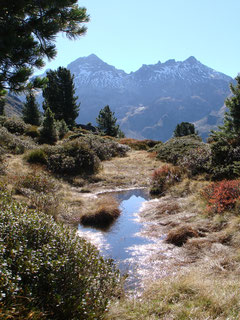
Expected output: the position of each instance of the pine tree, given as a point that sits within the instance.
(48, 132)
(107, 122)
(184, 129)
(28, 31)
(225, 143)
(30, 111)
(59, 96)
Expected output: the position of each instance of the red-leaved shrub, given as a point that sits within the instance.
(221, 195)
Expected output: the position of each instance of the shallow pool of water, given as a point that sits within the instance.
(120, 241)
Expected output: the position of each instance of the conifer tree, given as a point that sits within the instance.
(28, 31)
(48, 132)
(184, 129)
(59, 96)
(30, 111)
(225, 146)
(107, 122)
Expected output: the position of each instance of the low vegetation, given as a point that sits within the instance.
(101, 213)
(195, 295)
(47, 271)
(180, 235)
(221, 196)
(163, 178)
(176, 148)
(139, 144)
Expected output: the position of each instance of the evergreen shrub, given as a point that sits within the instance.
(175, 149)
(197, 160)
(13, 144)
(48, 270)
(16, 126)
(105, 148)
(36, 156)
(74, 157)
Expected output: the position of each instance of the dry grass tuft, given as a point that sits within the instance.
(195, 296)
(104, 211)
(180, 235)
(167, 208)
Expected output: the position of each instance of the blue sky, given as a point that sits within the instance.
(129, 33)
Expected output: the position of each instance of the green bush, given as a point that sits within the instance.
(225, 153)
(48, 270)
(72, 158)
(197, 160)
(105, 148)
(15, 125)
(176, 148)
(36, 156)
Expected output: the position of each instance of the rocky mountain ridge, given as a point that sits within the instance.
(152, 100)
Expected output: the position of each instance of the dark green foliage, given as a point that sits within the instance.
(184, 129)
(28, 30)
(2, 104)
(36, 156)
(48, 132)
(15, 125)
(225, 143)
(59, 96)
(175, 149)
(62, 128)
(30, 111)
(107, 122)
(47, 268)
(72, 158)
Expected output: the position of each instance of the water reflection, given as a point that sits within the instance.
(116, 242)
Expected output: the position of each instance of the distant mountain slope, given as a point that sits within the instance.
(13, 106)
(151, 101)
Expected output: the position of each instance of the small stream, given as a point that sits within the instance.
(122, 241)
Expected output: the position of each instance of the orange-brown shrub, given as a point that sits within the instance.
(221, 196)
(164, 177)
